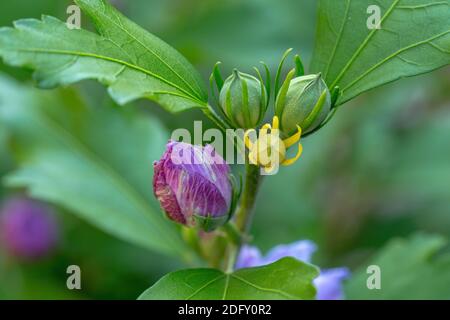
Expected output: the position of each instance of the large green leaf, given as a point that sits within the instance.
(414, 38)
(287, 278)
(410, 269)
(95, 162)
(125, 57)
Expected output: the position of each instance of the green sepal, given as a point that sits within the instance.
(283, 91)
(299, 68)
(315, 111)
(265, 98)
(209, 223)
(280, 67)
(245, 102)
(335, 94)
(268, 82)
(216, 77)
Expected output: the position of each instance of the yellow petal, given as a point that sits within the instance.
(291, 161)
(253, 158)
(293, 139)
(275, 122)
(247, 141)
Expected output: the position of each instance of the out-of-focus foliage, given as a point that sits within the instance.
(409, 269)
(101, 172)
(238, 33)
(106, 264)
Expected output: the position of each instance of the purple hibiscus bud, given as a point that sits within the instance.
(28, 229)
(192, 184)
(329, 283)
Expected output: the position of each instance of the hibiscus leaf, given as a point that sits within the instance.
(130, 61)
(414, 38)
(287, 278)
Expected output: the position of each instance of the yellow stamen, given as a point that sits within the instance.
(270, 144)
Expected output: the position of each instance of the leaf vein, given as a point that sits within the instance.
(204, 286)
(120, 25)
(282, 293)
(363, 45)
(397, 53)
(338, 40)
(111, 59)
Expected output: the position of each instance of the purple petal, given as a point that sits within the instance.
(329, 283)
(301, 250)
(164, 194)
(192, 180)
(249, 256)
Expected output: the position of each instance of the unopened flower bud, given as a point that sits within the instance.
(304, 101)
(243, 99)
(192, 184)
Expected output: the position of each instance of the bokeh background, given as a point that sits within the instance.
(379, 172)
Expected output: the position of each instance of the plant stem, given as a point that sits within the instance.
(244, 213)
(214, 117)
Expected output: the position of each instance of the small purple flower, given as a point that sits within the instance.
(301, 250)
(192, 184)
(249, 256)
(328, 283)
(28, 229)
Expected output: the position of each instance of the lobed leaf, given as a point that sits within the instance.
(130, 61)
(414, 38)
(287, 278)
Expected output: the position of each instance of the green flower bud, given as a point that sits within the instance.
(303, 101)
(243, 99)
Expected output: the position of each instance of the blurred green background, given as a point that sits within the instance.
(379, 171)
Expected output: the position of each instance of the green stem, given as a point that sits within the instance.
(214, 117)
(244, 214)
(245, 211)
